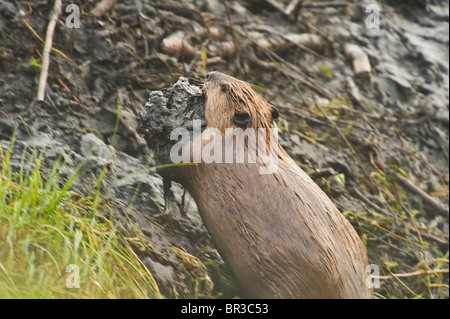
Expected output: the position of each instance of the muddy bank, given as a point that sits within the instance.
(352, 134)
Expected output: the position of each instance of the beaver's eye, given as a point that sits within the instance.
(275, 113)
(223, 88)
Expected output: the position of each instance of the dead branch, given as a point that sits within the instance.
(270, 67)
(311, 43)
(349, 145)
(302, 76)
(359, 59)
(40, 39)
(311, 140)
(296, 5)
(299, 76)
(276, 5)
(440, 208)
(431, 167)
(293, 8)
(412, 274)
(57, 8)
(328, 4)
(429, 261)
(181, 10)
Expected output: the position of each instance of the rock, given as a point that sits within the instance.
(163, 274)
(96, 154)
(91, 145)
(144, 188)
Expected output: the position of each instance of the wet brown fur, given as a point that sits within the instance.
(280, 233)
(239, 97)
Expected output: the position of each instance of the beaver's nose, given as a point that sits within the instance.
(213, 76)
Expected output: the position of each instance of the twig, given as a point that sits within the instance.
(429, 261)
(286, 37)
(32, 30)
(236, 45)
(404, 285)
(413, 220)
(276, 5)
(422, 110)
(310, 82)
(67, 89)
(328, 37)
(311, 51)
(140, 17)
(294, 84)
(420, 158)
(57, 8)
(347, 109)
(375, 165)
(435, 238)
(325, 4)
(296, 4)
(293, 9)
(442, 209)
(412, 274)
(371, 222)
(299, 76)
(63, 85)
(350, 146)
(40, 39)
(312, 141)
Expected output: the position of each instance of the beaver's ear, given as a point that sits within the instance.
(275, 113)
(242, 118)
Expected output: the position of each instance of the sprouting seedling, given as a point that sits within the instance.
(36, 62)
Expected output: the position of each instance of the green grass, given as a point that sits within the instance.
(50, 236)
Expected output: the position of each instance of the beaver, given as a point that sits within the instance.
(279, 232)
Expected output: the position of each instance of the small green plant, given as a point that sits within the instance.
(36, 62)
(326, 70)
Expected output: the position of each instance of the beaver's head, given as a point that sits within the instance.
(233, 103)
